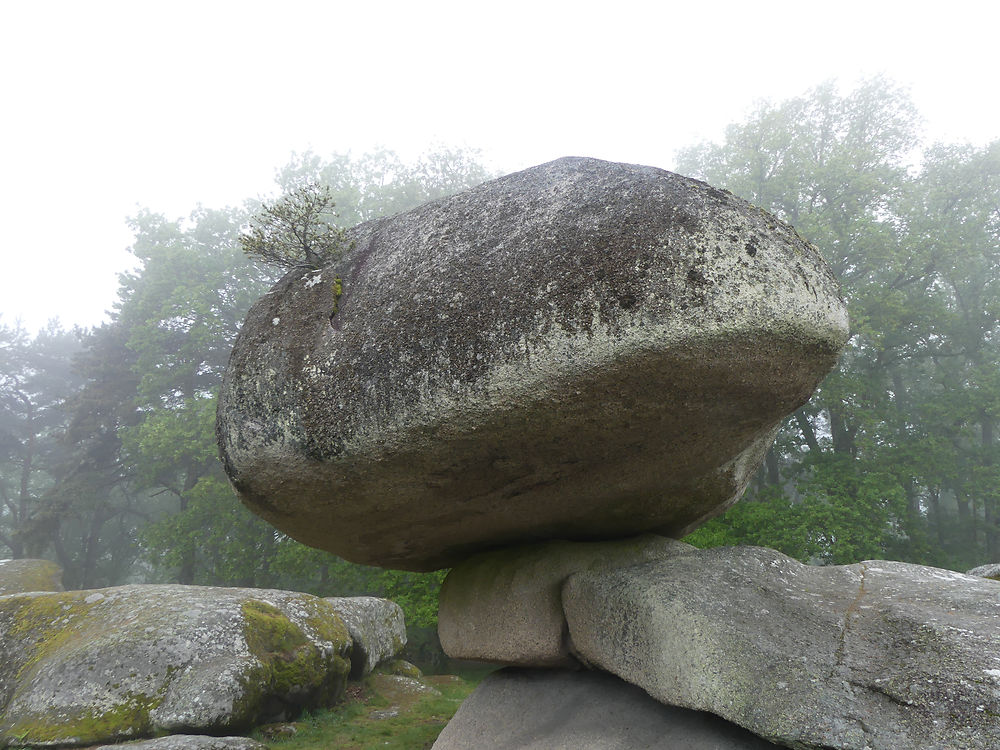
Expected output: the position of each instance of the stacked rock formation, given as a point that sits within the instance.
(598, 354)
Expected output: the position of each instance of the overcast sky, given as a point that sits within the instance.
(111, 106)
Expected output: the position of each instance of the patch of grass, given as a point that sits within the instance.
(381, 713)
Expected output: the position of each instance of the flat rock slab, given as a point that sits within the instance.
(581, 350)
(543, 709)
(84, 667)
(26, 574)
(377, 627)
(189, 742)
(873, 655)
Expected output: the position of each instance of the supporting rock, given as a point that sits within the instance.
(874, 655)
(506, 606)
(545, 709)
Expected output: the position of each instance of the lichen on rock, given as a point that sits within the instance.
(581, 350)
(83, 667)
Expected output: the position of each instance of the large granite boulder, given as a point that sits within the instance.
(26, 574)
(582, 350)
(505, 606)
(873, 655)
(377, 628)
(544, 709)
(83, 667)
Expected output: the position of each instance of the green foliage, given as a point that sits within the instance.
(896, 454)
(356, 725)
(380, 183)
(297, 230)
(36, 376)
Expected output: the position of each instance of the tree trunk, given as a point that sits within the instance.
(843, 437)
(808, 433)
(990, 495)
(773, 467)
(188, 560)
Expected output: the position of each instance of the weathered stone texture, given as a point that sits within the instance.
(83, 667)
(189, 742)
(545, 709)
(377, 628)
(506, 606)
(581, 350)
(991, 570)
(873, 655)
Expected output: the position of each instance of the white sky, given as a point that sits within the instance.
(106, 106)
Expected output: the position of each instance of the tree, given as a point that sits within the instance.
(180, 313)
(297, 230)
(36, 376)
(380, 183)
(895, 455)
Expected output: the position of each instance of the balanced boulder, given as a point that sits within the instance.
(582, 350)
(83, 667)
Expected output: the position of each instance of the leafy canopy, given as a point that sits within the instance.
(297, 230)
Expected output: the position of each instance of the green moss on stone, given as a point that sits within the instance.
(293, 669)
(43, 624)
(128, 719)
(400, 667)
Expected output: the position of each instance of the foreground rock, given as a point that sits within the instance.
(377, 628)
(18, 576)
(83, 667)
(506, 606)
(583, 349)
(541, 709)
(189, 742)
(874, 655)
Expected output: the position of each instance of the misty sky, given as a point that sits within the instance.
(108, 106)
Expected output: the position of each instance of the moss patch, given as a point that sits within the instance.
(128, 720)
(295, 673)
(41, 625)
(36, 629)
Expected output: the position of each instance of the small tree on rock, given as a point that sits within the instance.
(297, 230)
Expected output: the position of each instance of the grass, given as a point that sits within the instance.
(387, 712)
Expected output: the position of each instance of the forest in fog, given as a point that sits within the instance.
(108, 458)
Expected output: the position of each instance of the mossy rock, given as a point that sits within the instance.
(19, 576)
(377, 627)
(400, 668)
(83, 667)
(991, 571)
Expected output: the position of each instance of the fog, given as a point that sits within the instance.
(112, 106)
